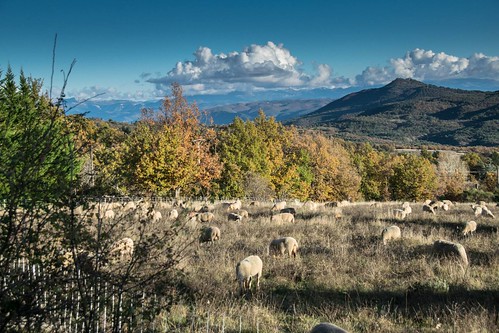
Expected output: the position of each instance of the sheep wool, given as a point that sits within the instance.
(246, 269)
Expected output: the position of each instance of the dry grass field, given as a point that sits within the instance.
(343, 273)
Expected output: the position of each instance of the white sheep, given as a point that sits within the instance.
(246, 270)
(173, 214)
(109, 214)
(448, 203)
(448, 248)
(130, 205)
(407, 208)
(399, 214)
(278, 206)
(469, 227)
(389, 233)
(477, 210)
(284, 245)
(283, 218)
(310, 205)
(205, 217)
(243, 213)
(123, 247)
(327, 328)
(234, 217)
(209, 234)
(155, 216)
(486, 212)
(236, 205)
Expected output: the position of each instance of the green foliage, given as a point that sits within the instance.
(413, 178)
(37, 161)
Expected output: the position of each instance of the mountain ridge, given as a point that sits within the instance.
(412, 112)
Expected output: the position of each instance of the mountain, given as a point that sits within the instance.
(129, 111)
(411, 112)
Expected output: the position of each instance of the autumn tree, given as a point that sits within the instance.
(170, 151)
(374, 169)
(413, 178)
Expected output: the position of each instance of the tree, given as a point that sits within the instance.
(38, 173)
(413, 178)
(170, 151)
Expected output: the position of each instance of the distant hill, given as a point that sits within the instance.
(129, 111)
(411, 112)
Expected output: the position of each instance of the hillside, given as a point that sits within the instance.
(411, 112)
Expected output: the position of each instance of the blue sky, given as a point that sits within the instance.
(135, 49)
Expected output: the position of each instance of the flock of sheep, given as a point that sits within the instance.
(249, 269)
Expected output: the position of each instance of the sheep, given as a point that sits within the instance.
(444, 247)
(429, 209)
(284, 245)
(290, 210)
(389, 233)
(236, 205)
(243, 213)
(205, 217)
(109, 214)
(278, 206)
(155, 216)
(477, 209)
(130, 205)
(407, 208)
(486, 212)
(310, 205)
(327, 328)
(209, 234)
(246, 269)
(399, 214)
(123, 247)
(469, 227)
(234, 217)
(283, 218)
(448, 203)
(173, 214)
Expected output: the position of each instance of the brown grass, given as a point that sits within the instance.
(344, 274)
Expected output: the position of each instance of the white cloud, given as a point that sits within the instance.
(422, 64)
(267, 66)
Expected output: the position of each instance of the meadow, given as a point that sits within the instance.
(343, 273)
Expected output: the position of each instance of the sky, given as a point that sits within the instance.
(136, 49)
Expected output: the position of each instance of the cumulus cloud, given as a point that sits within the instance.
(269, 66)
(422, 65)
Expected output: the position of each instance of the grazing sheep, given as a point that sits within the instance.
(445, 207)
(243, 213)
(209, 234)
(469, 227)
(283, 218)
(310, 205)
(246, 269)
(278, 206)
(477, 209)
(109, 214)
(173, 214)
(123, 247)
(130, 205)
(234, 217)
(486, 212)
(236, 205)
(429, 209)
(327, 328)
(444, 247)
(448, 203)
(290, 210)
(284, 245)
(399, 214)
(205, 217)
(389, 233)
(155, 216)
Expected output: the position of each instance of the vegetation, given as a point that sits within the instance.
(53, 165)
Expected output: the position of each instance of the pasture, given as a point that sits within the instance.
(343, 273)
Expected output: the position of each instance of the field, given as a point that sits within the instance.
(344, 274)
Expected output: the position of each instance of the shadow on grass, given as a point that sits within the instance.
(415, 300)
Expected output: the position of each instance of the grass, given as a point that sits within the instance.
(343, 274)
